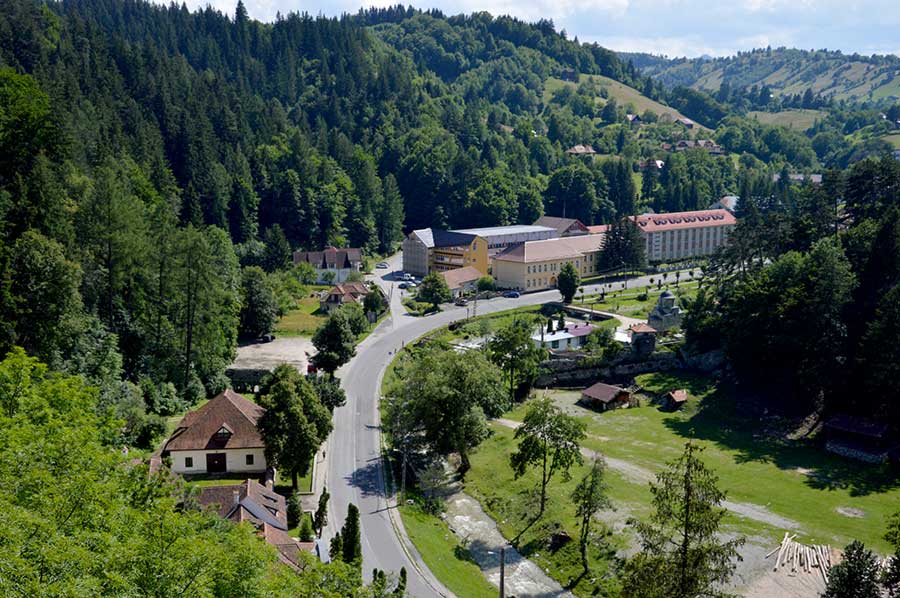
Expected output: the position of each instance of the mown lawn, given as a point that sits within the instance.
(302, 321)
(444, 555)
(628, 302)
(793, 479)
(797, 119)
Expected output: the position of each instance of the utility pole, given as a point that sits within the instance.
(502, 572)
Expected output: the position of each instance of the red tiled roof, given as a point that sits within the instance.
(598, 229)
(198, 429)
(562, 225)
(347, 291)
(678, 220)
(643, 328)
(604, 393)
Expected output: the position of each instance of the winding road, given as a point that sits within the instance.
(354, 464)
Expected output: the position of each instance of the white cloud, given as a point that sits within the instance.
(673, 47)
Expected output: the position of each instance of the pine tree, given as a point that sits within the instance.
(320, 519)
(856, 576)
(682, 555)
(351, 550)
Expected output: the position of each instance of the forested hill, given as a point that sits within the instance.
(785, 71)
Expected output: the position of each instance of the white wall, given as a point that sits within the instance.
(235, 460)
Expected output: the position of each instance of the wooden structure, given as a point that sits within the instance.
(675, 399)
(604, 397)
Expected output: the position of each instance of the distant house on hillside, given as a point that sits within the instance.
(263, 508)
(219, 437)
(569, 75)
(343, 294)
(726, 202)
(581, 150)
(331, 264)
(564, 227)
(815, 179)
(604, 397)
(634, 119)
(713, 148)
(685, 122)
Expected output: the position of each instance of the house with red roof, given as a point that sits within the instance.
(219, 437)
(681, 235)
(331, 264)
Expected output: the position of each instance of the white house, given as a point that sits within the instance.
(332, 265)
(219, 437)
(571, 336)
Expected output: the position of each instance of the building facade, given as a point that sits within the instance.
(535, 265)
(433, 250)
(332, 265)
(219, 437)
(683, 235)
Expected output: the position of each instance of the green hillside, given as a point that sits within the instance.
(786, 71)
(624, 95)
(797, 119)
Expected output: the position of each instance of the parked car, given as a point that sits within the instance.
(266, 338)
(382, 265)
(512, 294)
(408, 276)
(403, 285)
(461, 301)
(411, 285)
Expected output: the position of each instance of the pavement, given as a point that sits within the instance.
(354, 461)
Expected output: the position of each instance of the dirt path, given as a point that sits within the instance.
(481, 537)
(640, 475)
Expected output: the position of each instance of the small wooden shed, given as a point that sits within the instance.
(604, 397)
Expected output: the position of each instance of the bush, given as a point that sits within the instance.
(486, 283)
(294, 510)
(643, 296)
(306, 530)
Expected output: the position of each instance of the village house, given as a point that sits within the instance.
(343, 294)
(675, 399)
(219, 437)
(799, 179)
(581, 150)
(430, 250)
(603, 397)
(570, 337)
(564, 227)
(462, 281)
(726, 202)
(535, 265)
(260, 506)
(685, 122)
(681, 235)
(331, 264)
(713, 148)
(634, 120)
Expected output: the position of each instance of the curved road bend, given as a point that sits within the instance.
(354, 465)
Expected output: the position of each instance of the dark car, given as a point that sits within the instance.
(403, 285)
(266, 338)
(512, 294)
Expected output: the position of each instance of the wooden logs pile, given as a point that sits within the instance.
(799, 558)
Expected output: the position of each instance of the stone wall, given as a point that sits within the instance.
(572, 369)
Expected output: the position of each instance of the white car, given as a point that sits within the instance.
(382, 265)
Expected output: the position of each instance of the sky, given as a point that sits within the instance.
(669, 27)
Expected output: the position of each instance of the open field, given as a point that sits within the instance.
(621, 92)
(893, 139)
(791, 480)
(797, 119)
(626, 302)
(302, 321)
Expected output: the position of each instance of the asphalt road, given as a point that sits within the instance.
(355, 471)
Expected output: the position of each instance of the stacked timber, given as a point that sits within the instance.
(800, 559)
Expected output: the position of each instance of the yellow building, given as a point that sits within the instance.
(433, 250)
(535, 265)
(457, 250)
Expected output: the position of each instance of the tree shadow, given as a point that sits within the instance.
(740, 422)
(368, 479)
